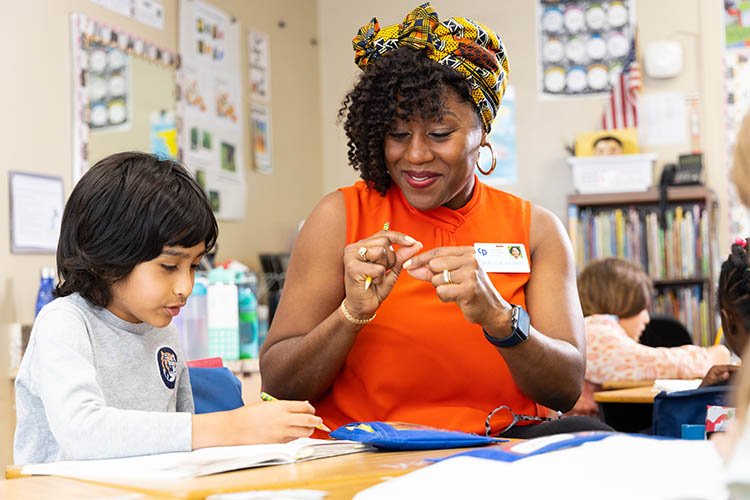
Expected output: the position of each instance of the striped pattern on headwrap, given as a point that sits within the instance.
(467, 46)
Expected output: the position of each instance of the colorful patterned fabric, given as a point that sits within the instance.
(467, 46)
(612, 355)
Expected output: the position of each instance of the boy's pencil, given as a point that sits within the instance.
(267, 397)
(368, 279)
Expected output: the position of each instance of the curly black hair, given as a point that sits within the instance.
(122, 212)
(401, 84)
(734, 282)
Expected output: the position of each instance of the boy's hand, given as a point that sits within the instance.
(259, 423)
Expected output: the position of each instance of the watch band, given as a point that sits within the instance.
(519, 329)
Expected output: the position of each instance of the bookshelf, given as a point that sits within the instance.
(677, 250)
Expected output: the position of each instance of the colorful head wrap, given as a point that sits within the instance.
(469, 47)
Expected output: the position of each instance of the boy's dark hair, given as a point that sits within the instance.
(122, 212)
(614, 286)
(401, 84)
(607, 138)
(734, 282)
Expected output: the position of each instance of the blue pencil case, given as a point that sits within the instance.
(405, 436)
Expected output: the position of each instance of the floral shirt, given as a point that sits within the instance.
(612, 355)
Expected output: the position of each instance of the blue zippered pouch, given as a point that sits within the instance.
(405, 436)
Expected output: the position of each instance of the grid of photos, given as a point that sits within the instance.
(108, 86)
(583, 45)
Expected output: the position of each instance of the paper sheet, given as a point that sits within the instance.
(620, 467)
(664, 119)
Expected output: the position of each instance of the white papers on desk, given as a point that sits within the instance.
(199, 462)
(674, 385)
(619, 467)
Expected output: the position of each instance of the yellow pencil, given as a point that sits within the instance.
(267, 397)
(368, 279)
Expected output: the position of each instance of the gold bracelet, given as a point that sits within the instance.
(352, 318)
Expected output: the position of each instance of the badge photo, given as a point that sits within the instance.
(502, 257)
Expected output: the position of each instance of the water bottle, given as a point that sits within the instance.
(194, 322)
(46, 292)
(248, 316)
(262, 324)
(223, 315)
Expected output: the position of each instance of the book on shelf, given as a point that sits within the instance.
(679, 250)
(197, 463)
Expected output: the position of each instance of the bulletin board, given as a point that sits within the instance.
(210, 106)
(738, 105)
(582, 45)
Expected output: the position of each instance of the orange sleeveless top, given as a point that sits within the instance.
(420, 360)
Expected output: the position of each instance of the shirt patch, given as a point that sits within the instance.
(167, 361)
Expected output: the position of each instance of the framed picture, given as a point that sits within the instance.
(36, 208)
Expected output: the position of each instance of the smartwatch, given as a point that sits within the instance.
(519, 329)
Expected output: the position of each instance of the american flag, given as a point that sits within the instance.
(621, 110)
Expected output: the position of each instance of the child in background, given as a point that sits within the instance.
(615, 295)
(103, 375)
(734, 307)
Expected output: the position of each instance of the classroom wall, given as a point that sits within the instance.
(312, 68)
(544, 125)
(35, 134)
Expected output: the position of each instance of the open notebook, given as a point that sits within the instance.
(199, 462)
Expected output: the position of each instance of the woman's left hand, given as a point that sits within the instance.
(457, 277)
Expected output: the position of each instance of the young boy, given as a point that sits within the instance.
(103, 375)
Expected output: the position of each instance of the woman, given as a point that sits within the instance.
(615, 295)
(448, 341)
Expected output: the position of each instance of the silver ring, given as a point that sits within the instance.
(447, 277)
(363, 254)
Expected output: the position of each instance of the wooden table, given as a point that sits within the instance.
(44, 488)
(608, 385)
(642, 394)
(341, 476)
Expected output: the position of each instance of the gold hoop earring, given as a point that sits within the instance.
(494, 161)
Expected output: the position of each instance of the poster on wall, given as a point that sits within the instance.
(503, 139)
(148, 12)
(737, 23)
(108, 81)
(259, 62)
(36, 208)
(737, 63)
(582, 45)
(211, 136)
(163, 134)
(260, 126)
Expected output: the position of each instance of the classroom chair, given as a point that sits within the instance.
(665, 331)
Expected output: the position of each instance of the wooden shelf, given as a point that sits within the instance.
(674, 194)
(681, 281)
(648, 201)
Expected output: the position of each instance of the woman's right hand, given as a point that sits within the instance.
(377, 258)
(258, 423)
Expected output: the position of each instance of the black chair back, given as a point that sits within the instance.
(665, 331)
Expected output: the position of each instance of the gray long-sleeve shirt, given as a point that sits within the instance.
(94, 386)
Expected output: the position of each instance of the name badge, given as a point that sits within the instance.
(502, 257)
